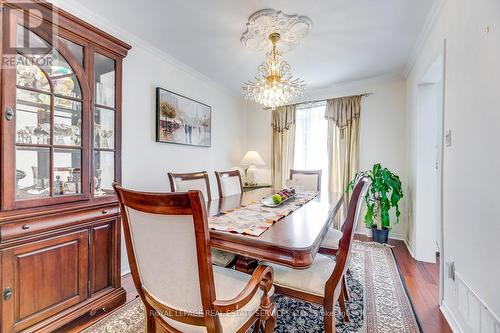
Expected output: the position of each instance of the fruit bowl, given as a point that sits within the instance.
(279, 198)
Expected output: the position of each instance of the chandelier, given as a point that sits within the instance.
(274, 84)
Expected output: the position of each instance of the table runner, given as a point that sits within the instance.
(255, 218)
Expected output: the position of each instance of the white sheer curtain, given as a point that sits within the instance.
(311, 132)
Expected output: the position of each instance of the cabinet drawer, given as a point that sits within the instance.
(28, 227)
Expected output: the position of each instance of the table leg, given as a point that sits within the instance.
(246, 264)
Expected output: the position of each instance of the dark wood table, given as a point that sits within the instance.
(292, 241)
(247, 188)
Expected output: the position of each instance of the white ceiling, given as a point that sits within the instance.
(350, 39)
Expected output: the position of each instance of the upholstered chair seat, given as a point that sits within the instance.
(311, 280)
(228, 284)
(323, 282)
(183, 182)
(229, 183)
(223, 258)
(230, 186)
(306, 180)
(168, 247)
(332, 239)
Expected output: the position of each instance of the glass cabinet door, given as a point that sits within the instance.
(49, 143)
(104, 125)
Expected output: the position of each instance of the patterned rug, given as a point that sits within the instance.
(378, 302)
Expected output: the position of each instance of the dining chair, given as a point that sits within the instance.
(183, 182)
(322, 282)
(310, 180)
(168, 248)
(229, 183)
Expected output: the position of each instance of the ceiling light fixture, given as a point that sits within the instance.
(274, 84)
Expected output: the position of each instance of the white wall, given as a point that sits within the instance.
(470, 184)
(145, 162)
(382, 129)
(259, 137)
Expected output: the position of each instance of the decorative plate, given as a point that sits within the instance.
(268, 201)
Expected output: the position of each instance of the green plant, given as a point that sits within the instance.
(384, 193)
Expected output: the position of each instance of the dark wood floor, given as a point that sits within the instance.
(422, 283)
(421, 279)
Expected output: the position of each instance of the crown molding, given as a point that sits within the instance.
(424, 34)
(108, 26)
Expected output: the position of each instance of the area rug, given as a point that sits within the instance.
(378, 302)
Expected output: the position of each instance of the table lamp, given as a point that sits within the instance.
(251, 159)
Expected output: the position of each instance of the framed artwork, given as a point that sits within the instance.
(182, 120)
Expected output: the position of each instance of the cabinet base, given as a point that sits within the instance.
(106, 302)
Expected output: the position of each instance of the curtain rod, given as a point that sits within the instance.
(325, 99)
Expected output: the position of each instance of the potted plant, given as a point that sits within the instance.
(384, 193)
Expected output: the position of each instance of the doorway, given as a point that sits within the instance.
(429, 168)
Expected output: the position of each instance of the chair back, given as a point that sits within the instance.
(229, 183)
(349, 228)
(183, 182)
(167, 241)
(308, 180)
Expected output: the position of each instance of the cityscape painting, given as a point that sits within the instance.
(182, 120)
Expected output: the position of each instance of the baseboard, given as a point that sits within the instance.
(450, 318)
(395, 236)
(125, 270)
(410, 249)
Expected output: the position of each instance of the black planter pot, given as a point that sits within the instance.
(380, 236)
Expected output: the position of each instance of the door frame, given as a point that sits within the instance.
(435, 73)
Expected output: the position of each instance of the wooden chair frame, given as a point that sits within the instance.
(333, 286)
(222, 174)
(191, 203)
(307, 172)
(173, 177)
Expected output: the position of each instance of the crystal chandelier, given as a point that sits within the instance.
(274, 84)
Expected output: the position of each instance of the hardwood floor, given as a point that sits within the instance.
(422, 285)
(87, 320)
(421, 279)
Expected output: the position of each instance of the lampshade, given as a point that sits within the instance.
(252, 158)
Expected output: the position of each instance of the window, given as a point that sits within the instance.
(311, 132)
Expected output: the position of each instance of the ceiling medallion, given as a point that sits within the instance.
(292, 28)
(274, 84)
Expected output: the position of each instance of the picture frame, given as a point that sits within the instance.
(182, 120)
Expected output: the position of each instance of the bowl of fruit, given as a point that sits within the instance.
(279, 198)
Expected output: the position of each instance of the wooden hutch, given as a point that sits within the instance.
(60, 152)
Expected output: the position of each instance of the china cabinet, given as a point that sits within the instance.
(60, 153)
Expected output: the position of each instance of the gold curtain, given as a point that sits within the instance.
(343, 146)
(283, 124)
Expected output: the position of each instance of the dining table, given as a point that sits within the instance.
(292, 241)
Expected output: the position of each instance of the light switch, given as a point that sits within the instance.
(448, 138)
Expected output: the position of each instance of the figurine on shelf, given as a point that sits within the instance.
(24, 134)
(97, 182)
(20, 174)
(58, 186)
(102, 136)
(42, 132)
